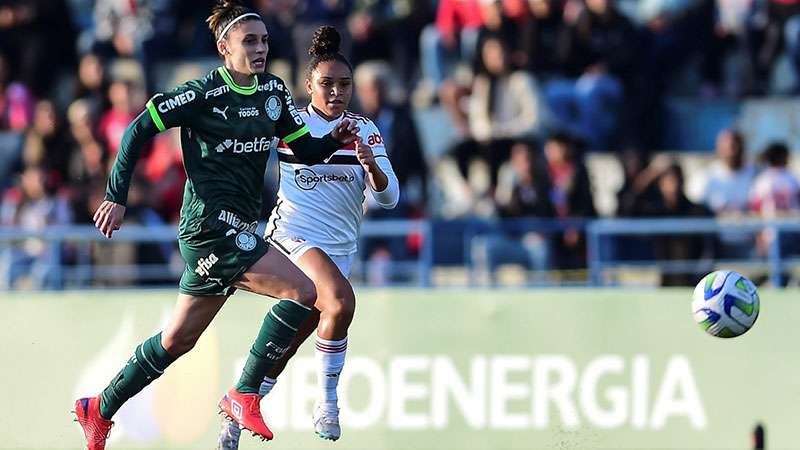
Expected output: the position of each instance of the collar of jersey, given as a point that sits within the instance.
(244, 90)
(313, 111)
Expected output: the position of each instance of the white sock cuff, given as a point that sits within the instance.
(266, 386)
(328, 346)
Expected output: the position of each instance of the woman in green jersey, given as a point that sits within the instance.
(227, 120)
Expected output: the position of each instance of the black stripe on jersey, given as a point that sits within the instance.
(276, 213)
(280, 247)
(356, 117)
(350, 160)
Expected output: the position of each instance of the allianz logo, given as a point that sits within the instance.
(257, 145)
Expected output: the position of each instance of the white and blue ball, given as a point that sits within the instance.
(725, 304)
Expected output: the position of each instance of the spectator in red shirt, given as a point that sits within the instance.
(453, 36)
(16, 101)
(164, 171)
(124, 106)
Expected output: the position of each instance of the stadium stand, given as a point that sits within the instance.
(667, 97)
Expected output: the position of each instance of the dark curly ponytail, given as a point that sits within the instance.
(325, 47)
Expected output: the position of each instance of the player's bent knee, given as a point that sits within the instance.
(339, 302)
(178, 343)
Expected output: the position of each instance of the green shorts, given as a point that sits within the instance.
(217, 256)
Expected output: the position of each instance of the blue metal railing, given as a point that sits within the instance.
(599, 230)
(604, 237)
(83, 236)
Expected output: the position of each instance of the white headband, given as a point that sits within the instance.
(230, 24)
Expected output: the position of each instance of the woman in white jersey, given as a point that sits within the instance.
(317, 218)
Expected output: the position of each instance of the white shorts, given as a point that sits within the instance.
(294, 247)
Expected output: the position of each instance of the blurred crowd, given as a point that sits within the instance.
(527, 88)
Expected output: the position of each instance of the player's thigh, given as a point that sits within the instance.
(276, 276)
(334, 291)
(190, 318)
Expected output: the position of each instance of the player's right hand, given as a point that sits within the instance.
(346, 131)
(108, 217)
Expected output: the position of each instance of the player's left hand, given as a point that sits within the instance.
(346, 131)
(364, 155)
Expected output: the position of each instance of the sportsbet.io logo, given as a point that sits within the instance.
(246, 241)
(306, 179)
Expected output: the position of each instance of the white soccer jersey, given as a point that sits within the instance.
(323, 203)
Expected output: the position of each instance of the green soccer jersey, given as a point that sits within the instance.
(226, 132)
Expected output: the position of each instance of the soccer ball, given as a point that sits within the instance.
(725, 304)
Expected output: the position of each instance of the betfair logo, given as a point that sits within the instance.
(257, 145)
(224, 145)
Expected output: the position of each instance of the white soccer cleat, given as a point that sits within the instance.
(326, 420)
(229, 435)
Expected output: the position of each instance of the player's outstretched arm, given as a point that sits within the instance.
(109, 215)
(310, 150)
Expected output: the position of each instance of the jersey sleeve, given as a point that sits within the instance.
(163, 110)
(295, 133)
(175, 108)
(136, 135)
(289, 126)
(388, 197)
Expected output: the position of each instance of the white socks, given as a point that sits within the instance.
(330, 360)
(266, 385)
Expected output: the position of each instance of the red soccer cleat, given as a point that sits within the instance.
(244, 409)
(95, 427)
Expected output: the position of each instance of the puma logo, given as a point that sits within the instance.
(221, 112)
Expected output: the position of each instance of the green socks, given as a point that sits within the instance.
(150, 359)
(273, 340)
(147, 363)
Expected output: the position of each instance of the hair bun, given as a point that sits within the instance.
(326, 41)
(229, 3)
